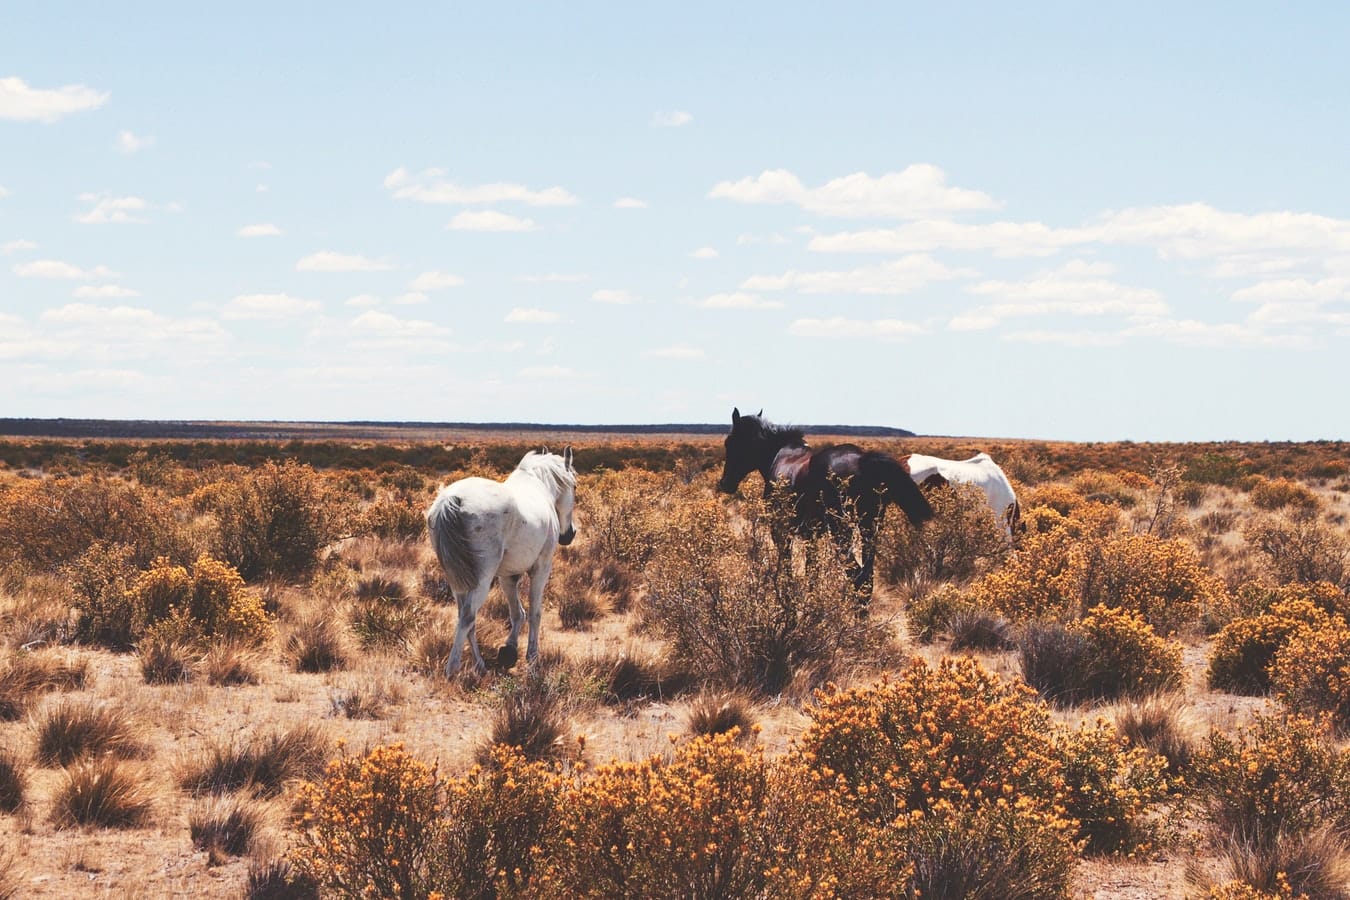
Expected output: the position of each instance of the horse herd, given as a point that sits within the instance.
(483, 529)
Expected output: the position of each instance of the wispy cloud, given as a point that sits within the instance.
(524, 316)
(1077, 288)
(704, 253)
(738, 300)
(109, 210)
(330, 261)
(19, 245)
(56, 269)
(900, 276)
(129, 142)
(431, 186)
(435, 281)
(677, 351)
(489, 220)
(672, 118)
(613, 296)
(918, 191)
(630, 203)
(553, 278)
(268, 307)
(537, 373)
(838, 327)
(22, 103)
(262, 229)
(104, 292)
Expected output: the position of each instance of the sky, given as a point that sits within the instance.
(1047, 220)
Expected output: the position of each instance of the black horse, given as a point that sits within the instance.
(829, 489)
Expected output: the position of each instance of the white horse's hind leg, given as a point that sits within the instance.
(510, 651)
(538, 578)
(466, 628)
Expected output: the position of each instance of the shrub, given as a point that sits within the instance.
(1215, 468)
(103, 792)
(224, 826)
(1309, 671)
(372, 826)
(633, 675)
(395, 516)
(719, 713)
(1311, 864)
(1300, 549)
(262, 765)
(278, 879)
(166, 660)
(1158, 723)
(69, 730)
(1280, 775)
(25, 674)
(928, 616)
(13, 782)
(210, 601)
(273, 519)
(735, 611)
(316, 645)
(231, 663)
(98, 580)
(1113, 789)
(1280, 493)
(1243, 651)
(980, 629)
(532, 717)
(386, 621)
(1110, 653)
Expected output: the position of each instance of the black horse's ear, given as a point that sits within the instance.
(735, 415)
(760, 414)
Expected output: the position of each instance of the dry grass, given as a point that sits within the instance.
(13, 782)
(261, 765)
(105, 792)
(72, 729)
(225, 826)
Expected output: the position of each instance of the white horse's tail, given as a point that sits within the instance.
(462, 565)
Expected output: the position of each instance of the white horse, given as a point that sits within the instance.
(483, 528)
(980, 470)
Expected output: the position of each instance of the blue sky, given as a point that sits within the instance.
(1127, 222)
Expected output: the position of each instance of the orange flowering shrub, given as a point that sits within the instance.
(1129, 652)
(1280, 775)
(210, 601)
(1311, 672)
(1113, 789)
(98, 582)
(398, 515)
(1057, 574)
(373, 827)
(1279, 493)
(1241, 890)
(963, 535)
(1243, 651)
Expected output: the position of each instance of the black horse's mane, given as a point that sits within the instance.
(789, 435)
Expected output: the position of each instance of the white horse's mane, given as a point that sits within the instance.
(550, 469)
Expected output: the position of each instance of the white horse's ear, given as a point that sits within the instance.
(545, 450)
(735, 414)
(567, 456)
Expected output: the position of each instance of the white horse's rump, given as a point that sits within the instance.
(482, 528)
(980, 470)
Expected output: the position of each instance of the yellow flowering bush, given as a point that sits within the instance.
(1311, 672)
(373, 827)
(1279, 493)
(209, 601)
(1113, 789)
(1243, 651)
(1280, 775)
(1130, 652)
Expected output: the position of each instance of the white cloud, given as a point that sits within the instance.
(128, 142)
(522, 316)
(362, 300)
(1296, 290)
(383, 326)
(17, 246)
(770, 239)
(329, 261)
(435, 281)
(4, 192)
(919, 191)
(1194, 333)
(630, 203)
(900, 276)
(268, 307)
(704, 253)
(104, 292)
(489, 220)
(1003, 239)
(85, 330)
(411, 298)
(113, 210)
(1077, 288)
(547, 372)
(430, 186)
(614, 296)
(738, 300)
(22, 103)
(54, 268)
(854, 329)
(672, 118)
(553, 278)
(262, 229)
(1067, 338)
(677, 351)
(376, 331)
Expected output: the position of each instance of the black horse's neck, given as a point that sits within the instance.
(772, 439)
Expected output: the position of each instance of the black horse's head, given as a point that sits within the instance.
(743, 450)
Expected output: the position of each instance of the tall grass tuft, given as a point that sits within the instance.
(104, 792)
(70, 730)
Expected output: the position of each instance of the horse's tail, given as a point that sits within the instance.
(897, 486)
(448, 527)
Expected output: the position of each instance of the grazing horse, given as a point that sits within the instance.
(981, 471)
(824, 486)
(483, 528)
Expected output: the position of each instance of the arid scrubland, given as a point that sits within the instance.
(221, 675)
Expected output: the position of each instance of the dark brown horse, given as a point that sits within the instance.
(830, 489)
